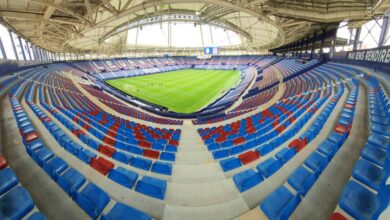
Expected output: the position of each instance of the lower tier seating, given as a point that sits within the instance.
(283, 201)
(91, 198)
(366, 194)
(15, 201)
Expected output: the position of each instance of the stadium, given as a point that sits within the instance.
(195, 109)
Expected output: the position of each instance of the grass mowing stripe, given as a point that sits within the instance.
(183, 91)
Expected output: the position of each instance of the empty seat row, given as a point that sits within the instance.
(270, 141)
(366, 194)
(88, 196)
(155, 188)
(283, 201)
(249, 178)
(15, 201)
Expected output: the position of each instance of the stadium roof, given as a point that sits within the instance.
(85, 25)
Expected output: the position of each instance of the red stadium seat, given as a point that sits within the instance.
(151, 154)
(30, 136)
(102, 165)
(106, 150)
(3, 162)
(145, 144)
(348, 106)
(280, 129)
(173, 142)
(298, 144)
(249, 157)
(220, 139)
(341, 129)
(239, 140)
(109, 141)
(337, 216)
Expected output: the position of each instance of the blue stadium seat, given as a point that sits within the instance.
(280, 204)
(302, 180)
(152, 187)
(220, 154)
(121, 157)
(230, 164)
(369, 174)
(135, 150)
(336, 138)
(123, 176)
(167, 156)
(380, 129)
(361, 203)
(141, 163)
(15, 204)
(55, 166)
(70, 181)
(92, 200)
(33, 146)
(42, 155)
(162, 168)
(73, 148)
(327, 148)
(316, 162)
(37, 216)
(264, 149)
(8, 179)
(122, 211)
(85, 155)
(269, 167)
(247, 179)
(379, 140)
(375, 155)
(286, 154)
(236, 150)
(384, 121)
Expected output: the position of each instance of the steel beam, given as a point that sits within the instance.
(21, 47)
(2, 49)
(13, 45)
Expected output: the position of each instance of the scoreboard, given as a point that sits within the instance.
(211, 50)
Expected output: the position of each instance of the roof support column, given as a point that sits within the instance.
(201, 34)
(384, 30)
(43, 54)
(313, 43)
(28, 50)
(13, 45)
(300, 49)
(322, 41)
(34, 53)
(2, 49)
(357, 36)
(307, 45)
(37, 55)
(21, 47)
(333, 48)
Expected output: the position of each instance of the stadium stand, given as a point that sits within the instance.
(194, 110)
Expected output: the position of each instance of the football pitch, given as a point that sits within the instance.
(182, 91)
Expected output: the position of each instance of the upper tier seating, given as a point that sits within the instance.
(125, 109)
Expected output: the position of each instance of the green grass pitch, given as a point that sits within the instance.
(182, 91)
